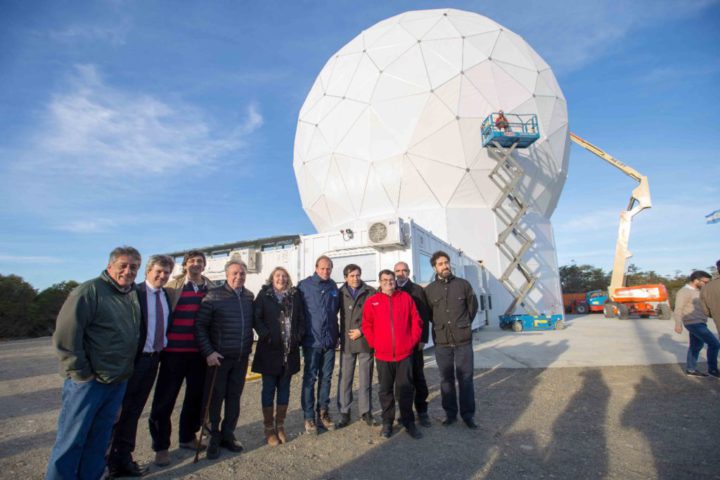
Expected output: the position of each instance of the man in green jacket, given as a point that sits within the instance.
(96, 339)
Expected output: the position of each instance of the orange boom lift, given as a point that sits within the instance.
(642, 300)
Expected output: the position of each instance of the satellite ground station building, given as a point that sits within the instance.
(390, 162)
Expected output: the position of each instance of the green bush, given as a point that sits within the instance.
(24, 312)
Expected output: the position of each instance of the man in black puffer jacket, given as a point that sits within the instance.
(224, 334)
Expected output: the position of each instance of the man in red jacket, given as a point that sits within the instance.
(392, 327)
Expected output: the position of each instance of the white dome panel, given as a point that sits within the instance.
(442, 29)
(364, 81)
(478, 48)
(418, 27)
(344, 71)
(443, 59)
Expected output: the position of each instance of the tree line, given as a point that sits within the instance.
(25, 312)
(585, 278)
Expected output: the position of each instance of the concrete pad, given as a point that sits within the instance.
(588, 341)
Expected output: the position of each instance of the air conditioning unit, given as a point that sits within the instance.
(386, 232)
(249, 256)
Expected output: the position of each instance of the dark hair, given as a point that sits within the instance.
(386, 272)
(124, 251)
(323, 257)
(698, 274)
(717, 265)
(191, 254)
(437, 255)
(351, 267)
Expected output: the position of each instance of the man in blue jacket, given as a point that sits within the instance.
(321, 303)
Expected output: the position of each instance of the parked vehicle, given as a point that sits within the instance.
(582, 303)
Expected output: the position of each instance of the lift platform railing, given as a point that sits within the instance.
(506, 129)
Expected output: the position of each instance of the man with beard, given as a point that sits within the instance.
(453, 305)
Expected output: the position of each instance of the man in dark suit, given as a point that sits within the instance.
(153, 338)
(402, 279)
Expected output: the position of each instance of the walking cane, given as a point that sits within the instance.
(206, 415)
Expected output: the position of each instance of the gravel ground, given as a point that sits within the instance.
(630, 422)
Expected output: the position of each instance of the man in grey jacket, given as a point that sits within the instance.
(96, 339)
(355, 348)
(688, 313)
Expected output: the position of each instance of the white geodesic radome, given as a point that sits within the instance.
(391, 127)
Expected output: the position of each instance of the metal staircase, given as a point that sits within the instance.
(509, 208)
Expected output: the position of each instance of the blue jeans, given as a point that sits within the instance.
(273, 383)
(85, 424)
(319, 364)
(700, 335)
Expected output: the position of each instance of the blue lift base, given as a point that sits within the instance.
(519, 323)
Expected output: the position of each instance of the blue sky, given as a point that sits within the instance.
(168, 125)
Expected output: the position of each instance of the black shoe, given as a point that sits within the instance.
(386, 430)
(413, 431)
(129, 469)
(449, 421)
(470, 422)
(344, 420)
(232, 445)
(369, 420)
(695, 373)
(424, 420)
(213, 450)
(715, 374)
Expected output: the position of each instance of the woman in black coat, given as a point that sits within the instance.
(280, 325)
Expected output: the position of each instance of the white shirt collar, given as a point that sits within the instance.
(150, 288)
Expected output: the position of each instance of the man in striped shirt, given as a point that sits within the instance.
(181, 361)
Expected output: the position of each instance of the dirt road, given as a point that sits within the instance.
(624, 422)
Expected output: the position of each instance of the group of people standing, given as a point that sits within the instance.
(116, 339)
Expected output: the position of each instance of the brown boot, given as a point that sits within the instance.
(324, 420)
(280, 423)
(270, 435)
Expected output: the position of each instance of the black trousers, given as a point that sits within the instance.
(176, 368)
(396, 381)
(421, 388)
(228, 388)
(136, 395)
(456, 362)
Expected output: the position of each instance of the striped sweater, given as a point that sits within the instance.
(181, 333)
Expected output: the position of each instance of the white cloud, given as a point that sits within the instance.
(87, 226)
(114, 35)
(94, 129)
(29, 259)
(573, 34)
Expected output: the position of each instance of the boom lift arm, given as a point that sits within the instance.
(639, 201)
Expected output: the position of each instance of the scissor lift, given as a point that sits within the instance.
(501, 136)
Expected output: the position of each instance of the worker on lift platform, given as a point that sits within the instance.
(501, 122)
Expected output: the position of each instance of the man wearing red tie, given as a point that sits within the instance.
(155, 310)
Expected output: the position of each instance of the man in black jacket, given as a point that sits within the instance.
(403, 282)
(155, 312)
(453, 305)
(224, 334)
